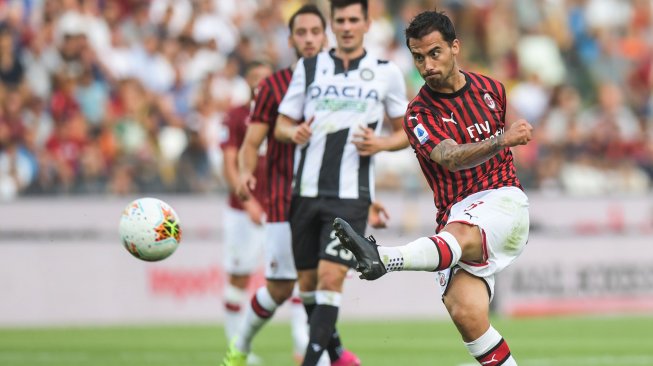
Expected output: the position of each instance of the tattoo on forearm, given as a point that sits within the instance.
(456, 157)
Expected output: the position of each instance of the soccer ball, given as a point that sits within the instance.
(149, 229)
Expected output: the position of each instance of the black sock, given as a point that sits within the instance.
(335, 345)
(309, 310)
(322, 326)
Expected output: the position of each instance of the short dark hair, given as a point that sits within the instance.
(431, 21)
(257, 63)
(306, 9)
(337, 4)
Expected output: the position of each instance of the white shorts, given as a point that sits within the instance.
(502, 217)
(279, 261)
(243, 243)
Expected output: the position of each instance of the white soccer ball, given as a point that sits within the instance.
(149, 229)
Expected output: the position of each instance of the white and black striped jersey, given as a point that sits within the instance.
(340, 101)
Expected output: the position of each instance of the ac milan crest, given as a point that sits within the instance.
(489, 101)
(443, 279)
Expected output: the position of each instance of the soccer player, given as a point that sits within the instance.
(456, 125)
(343, 96)
(243, 233)
(307, 37)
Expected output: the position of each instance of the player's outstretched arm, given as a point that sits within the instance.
(248, 158)
(456, 157)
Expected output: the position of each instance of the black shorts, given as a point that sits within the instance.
(313, 237)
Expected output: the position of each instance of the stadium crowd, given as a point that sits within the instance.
(128, 96)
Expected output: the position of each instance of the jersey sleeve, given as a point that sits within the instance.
(292, 104)
(504, 102)
(395, 101)
(264, 104)
(423, 130)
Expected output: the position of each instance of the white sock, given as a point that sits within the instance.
(233, 304)
(424, 254)
(323, 297)
(298, 323)
(491, 349)
(257, 313)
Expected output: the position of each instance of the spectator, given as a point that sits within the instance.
(131, 75)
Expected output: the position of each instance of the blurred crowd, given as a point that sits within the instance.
(128, 96)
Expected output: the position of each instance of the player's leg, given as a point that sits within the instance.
(281, 276)
(467, 299)
(305, 231)
(461, 239)
(332, 270)
(260, 310)
(424, 254)
(307, 283)
(298, 325)
(323, 334)
(241, 245)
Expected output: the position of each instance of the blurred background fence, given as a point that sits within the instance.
(62, 263)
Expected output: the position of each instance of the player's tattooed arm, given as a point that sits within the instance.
(456, 157)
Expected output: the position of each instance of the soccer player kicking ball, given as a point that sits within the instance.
(456, 125)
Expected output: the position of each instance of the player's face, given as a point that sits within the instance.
(256, 75)
(308, 37)
(435, 59)
(349, 26)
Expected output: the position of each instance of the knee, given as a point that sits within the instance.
(330, 281)
(307, 280)
(280, 291)
(239, 281)
(467, 318)
(469, 238)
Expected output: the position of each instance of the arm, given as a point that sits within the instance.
(248, 158)
(378, 216)
(251, 206)
(368, 143)
(290, 130)
(398, 139)
(230, 166)
(455, 157)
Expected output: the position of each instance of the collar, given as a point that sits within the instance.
(340, 66)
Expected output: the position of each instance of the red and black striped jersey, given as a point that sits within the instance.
(472, 114)
(279, 156)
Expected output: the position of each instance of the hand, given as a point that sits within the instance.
(246, 186)
(378, 215)
(366, 141)
(519, 133)
(254, 211)
(303, 132)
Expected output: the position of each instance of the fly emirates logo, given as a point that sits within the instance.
(481, 131)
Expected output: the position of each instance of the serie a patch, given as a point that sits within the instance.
(420, 133)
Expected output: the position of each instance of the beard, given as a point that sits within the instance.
(444, 81)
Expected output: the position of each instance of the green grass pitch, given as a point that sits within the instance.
(616, 341)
